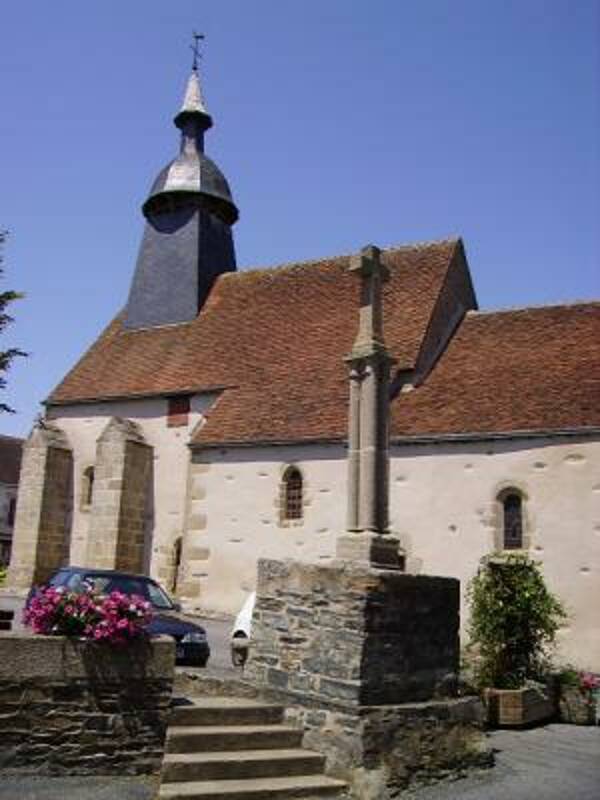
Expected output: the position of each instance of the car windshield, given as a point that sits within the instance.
(62, 578)
(105, 583)
(158, 597)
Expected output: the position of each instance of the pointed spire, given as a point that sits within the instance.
(193, 106)
(193, 100)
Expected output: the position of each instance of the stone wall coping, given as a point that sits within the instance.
(200, 685)
(27, 656)
(283, 568)
(194, 684)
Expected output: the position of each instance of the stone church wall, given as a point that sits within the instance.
(84, 423)
(225, 508)
(443, 507)
(235, 517)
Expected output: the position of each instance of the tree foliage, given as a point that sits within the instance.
(6, 356)
(514, 620)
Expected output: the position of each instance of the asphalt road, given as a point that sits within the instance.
(14, 787)
(553, 762)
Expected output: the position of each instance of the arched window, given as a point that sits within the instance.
(512, 507)
(291, 494)
(87, 487)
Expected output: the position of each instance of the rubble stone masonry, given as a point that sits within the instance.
(81, 708)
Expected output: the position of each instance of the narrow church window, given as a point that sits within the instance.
(177, 548)
(12, 507)
(513, 521)
(292, 494)
(178, 410)
(87, 487)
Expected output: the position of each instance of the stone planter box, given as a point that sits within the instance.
(517, 707)
(577, 707)
(81, 708)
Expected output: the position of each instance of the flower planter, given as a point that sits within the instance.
(76, 707)
(577, 706)
(517, 707)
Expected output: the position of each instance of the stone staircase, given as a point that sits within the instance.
(239, 749)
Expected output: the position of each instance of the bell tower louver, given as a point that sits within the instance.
(187, 239)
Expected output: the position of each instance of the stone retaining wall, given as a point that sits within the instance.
(77, 707)
(382, 750)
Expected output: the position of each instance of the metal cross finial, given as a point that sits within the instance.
(195, 48)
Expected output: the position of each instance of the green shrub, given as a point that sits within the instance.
(514, 620)
(568, 677)
(3, 571)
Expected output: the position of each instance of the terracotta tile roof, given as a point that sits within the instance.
(529, 369)
(277, 337)
(10, 459)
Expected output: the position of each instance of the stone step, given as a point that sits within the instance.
(225, 711)
(209, 738)
(241, 764)
(313, 786)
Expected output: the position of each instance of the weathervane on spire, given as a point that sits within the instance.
(195, 48)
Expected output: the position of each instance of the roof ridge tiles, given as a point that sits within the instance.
(534, 307)
(311, 262)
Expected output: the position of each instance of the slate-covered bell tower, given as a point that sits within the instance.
(187, 239)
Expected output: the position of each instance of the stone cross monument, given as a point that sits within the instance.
(367, 539)
(363, 653)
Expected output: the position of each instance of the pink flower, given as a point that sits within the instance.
(115, 619)
(588, 681)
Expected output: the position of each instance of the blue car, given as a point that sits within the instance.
(191, 645)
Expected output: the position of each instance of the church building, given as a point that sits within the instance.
(208, 425)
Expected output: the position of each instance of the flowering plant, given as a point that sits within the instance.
(572, 678)
(588, 681)
(115, 618)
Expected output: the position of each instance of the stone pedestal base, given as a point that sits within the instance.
(370, 549)
(348, 632)
(366, 660)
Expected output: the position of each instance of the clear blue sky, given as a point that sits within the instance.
(337, 122)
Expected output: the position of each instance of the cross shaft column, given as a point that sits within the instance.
(367, 538)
